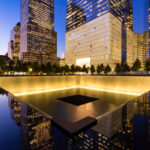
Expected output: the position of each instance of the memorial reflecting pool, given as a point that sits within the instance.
(50, 103)
(121, 123)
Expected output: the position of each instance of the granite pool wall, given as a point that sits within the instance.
(127, 84)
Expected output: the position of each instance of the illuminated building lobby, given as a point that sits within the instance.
(99, 32)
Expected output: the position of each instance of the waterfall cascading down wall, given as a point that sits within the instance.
(127, 84)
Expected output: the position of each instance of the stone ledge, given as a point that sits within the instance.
(72, 129)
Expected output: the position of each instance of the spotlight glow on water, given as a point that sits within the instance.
(73, 87)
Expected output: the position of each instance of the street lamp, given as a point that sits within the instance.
(30, 69)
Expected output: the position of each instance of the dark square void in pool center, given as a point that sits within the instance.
(77, 99)
(66, 108)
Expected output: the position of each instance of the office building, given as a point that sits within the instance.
(141, 46)
(14, 43)
(141, 39)
(38, 38)
(33, 123)
(15, 108)
(99, 31)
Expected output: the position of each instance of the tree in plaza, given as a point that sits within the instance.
(25, 67)
(147, 65)
(11, 66)
(43, 68)
(3, 65)
(57, 68)
(87, 70)
(125, 67)
(84, 69)
(92, 69)
(66, 69)
(35, 67)
(102, 68)
(18, 66)
(107, 69)
(136, 65)
(54, 68)
(61, 69)
(48, 68)
(78, 69)
(98, 69)
(118, 68)
(73, 69)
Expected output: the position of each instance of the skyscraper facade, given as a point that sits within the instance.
(141, 46)
(14, 43)
(141, 37)
(38, 38)
(98, 31)
(81, 11)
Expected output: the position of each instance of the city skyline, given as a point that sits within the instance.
(60, 8)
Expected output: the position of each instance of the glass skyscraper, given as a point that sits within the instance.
(82, 11)
(141, 46)
(116, 23)
(38, 38)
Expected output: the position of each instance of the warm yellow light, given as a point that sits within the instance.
(83, 61)
(82, 87)
(30, 69)
(111, 91)
(44, 91)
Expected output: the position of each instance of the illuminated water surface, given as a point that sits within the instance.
(24, 127)
(49, 103)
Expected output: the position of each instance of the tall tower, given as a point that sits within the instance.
(99, 32)
(38, 38)
(14, 43)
